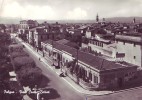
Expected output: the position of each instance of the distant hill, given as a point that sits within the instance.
(124, 19)
(113, 19)
(9, 20)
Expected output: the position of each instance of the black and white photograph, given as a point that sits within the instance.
(70, 50)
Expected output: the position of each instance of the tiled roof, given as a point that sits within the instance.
(63, 41)
(99, 63)
(94, 61)
(129, 38)
(101, 40)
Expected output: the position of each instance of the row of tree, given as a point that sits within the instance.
(75, 69)
(5, 41)
(27, 72)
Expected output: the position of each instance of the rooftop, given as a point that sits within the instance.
(63, 41)
(94, 61)
(129, 38)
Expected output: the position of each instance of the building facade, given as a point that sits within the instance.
(131, 47)
(89, 71)
(103, 47)
(26, 25)
(38, 34)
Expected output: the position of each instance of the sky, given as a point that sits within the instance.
(69, 9)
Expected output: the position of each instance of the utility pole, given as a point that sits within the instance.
(77, 74)
(52, 51)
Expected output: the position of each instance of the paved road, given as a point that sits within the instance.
(66, 92)
(134, 94)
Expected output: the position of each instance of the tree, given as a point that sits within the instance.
(4, 72)
(77, 38)
(29, 76)
(24, 61)
(85, 40)
(5, 39)
(3, 52)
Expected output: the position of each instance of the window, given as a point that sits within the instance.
(123, 43)
(85, 73)
(95, 79)
(90, 76)
(101, 44)
(66, 61)
(134, 44)
(93, 42)
(97, 43)
(134, 57)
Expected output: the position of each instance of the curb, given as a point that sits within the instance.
(49, 66)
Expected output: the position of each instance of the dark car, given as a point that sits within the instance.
(62, 75)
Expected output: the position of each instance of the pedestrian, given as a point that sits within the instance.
(39, 59)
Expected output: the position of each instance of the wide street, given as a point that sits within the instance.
(134, 94)
(66, 92)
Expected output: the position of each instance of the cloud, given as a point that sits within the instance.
(28, 12)
(71, 9)
(31, 2)
(77, 13)
(12, 10)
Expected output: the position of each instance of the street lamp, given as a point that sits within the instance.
(52, 51)
(61, 65)
(43, 53)
(77, 65)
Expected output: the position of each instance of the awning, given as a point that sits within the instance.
(67, 56)
(48, 47)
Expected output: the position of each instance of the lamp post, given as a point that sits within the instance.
(52, 51)
(77, 65)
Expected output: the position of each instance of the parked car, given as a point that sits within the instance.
(62, 74)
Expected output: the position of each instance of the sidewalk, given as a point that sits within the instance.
(75, 86)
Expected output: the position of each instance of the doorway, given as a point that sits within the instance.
(120, 82)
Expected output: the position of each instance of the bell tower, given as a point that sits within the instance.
(97, 18)
(134, 20)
